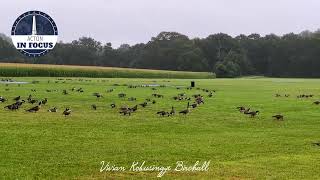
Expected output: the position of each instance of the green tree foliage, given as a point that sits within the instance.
(290, 55)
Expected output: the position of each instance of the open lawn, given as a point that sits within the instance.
(46, 145)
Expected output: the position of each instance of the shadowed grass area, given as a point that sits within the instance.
(47, 145)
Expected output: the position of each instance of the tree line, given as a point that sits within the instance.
(290, 55)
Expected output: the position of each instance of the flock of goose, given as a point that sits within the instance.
(123, 110)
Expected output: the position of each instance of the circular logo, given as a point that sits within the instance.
(34, 33)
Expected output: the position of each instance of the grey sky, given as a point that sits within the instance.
(133, 21)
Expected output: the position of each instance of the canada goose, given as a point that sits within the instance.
(253, 113)
(44, 102)
(65, 92)
(194, 105)
(316, 143)
(32, 101)
(278, 95)
(17, 98)
(113, 105)
(143, 104)
(186, 111)
(287, 95)
(123, 108)
(12, 106)
(316, 102)
(148, 99)
(94, 107)
(35, 109)
(54, 109)
(210, 95)
(163, 113)
(172, 112)
(110, 90)
(125, 112)
(278, 117)
(98, 95)
(2, 99)
(135, 108)
(29, 98)
(132, 99)
(67, 112)
(154, 102)
(122, 95)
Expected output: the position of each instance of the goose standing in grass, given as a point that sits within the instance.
(316, 102)
(2, 99)
(113, 105)
(35, 109)
(17, 98)
(252, 113)
(44, 102)
(173, 111)
(67, 112)
(278, 117)
(186, 111)
(54, 109)
(94, 107)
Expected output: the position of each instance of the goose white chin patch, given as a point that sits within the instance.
(34, 33)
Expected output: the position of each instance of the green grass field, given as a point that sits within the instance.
(47, 145)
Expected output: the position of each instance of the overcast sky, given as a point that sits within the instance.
(133, 21)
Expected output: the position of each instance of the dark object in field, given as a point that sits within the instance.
(278, 117)
(67, 112)
(17, 98)
(193, 84)
(15, 106)
(94, 107)
(33, 90)
(316, 143)
(134, 109)
(287, 95)
(163, 113)
(143, 104)
(54, 109)
(98, 95)
(316, 102)
(252, 113)
(154, 102)
(122, 95)
(132, 99)
(278, 95)
(172, 112)
(80, 90)
(65, 92)
(35, 109)
(199, 100)
(148, 99)
(44, 102)
(110, 90)
(113, 105)
(194, 105)
(157, 95)
(210, 94)
(185, 112)
(2, 99)
(125, 112)
(32, 101)
(7, 89)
